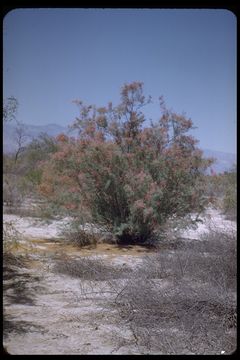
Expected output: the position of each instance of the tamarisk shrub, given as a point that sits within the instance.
(123, 175)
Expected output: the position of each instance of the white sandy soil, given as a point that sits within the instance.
(37, 228)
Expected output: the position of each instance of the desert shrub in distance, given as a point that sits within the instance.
(222, 191)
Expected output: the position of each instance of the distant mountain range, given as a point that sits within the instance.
(224, 160)
(30, 132)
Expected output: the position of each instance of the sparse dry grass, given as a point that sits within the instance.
(178, 301)
(191, 291)
(91, 268)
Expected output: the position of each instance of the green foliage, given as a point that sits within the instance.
(230, 196)
(222, 191)
(80, 237)
(126, 177)
(21, 177)
(11, 237)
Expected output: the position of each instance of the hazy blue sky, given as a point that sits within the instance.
(52, 56)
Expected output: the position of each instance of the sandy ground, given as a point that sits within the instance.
(60, 320)
(37, 228)
(48, 313)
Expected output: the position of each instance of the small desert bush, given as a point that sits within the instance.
(127, 177)
(80, 234)
(80, 238)
(230, 204)
(11, 236)
(230, 195)
(222, 189)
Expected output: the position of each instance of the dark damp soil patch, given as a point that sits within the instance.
(12, 326)
(20, 286)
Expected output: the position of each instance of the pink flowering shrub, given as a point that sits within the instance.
(130, 178)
